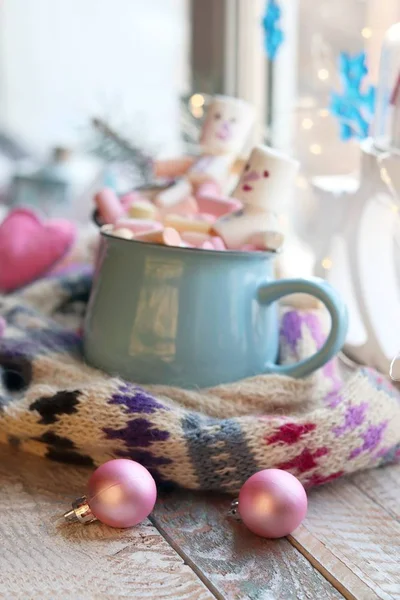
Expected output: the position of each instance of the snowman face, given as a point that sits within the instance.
(251, 176)
(265, 178)
(227, 126)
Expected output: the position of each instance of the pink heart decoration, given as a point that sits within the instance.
(29, 247)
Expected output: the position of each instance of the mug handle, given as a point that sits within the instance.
(270, 292)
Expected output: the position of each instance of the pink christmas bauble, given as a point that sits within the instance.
(121, 493)
(272, 503)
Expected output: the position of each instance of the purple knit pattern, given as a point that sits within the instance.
(139, 432)
(372, 438)
(291, 329)
(354, 416)
(292, 333)
(136, 400)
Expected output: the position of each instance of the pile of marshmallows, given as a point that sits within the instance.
(188, 224)
(193, 211)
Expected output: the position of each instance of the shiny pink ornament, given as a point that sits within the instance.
(121, 493)
(272, 503)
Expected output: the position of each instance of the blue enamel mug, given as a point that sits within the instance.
(194, 318)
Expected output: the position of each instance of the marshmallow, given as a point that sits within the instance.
(122, 232)
(263, 188)
(206, 217)
(236, 229)
(267, 240)
(128, 199)
(248, 248)
(267, 179)
(195, 238)
(109, 206)
(217, 205)
(211, 168)
(227, 126)
(166, 237)
(260, 229)
(218, 243)
(142, 209)
(174, 194)
(139, 225)
(208, 188)
(186, 207)
(184, 224)
(207, 246)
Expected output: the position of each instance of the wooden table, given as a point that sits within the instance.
(349, 545)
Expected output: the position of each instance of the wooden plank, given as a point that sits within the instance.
(382, 486)
(236, 563)
(42, 557)
(354, 540)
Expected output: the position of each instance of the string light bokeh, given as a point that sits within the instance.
(322, 35)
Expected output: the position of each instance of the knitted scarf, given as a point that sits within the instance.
(56, 406)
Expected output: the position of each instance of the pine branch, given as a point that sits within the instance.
(114, 148)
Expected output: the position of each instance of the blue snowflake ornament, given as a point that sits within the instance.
(273, 35)
(352, 69)
(352, 107)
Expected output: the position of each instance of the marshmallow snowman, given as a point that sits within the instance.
(227, 126)
(267, 179)
(263, 188)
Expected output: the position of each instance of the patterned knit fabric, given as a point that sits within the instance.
(54, 405)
